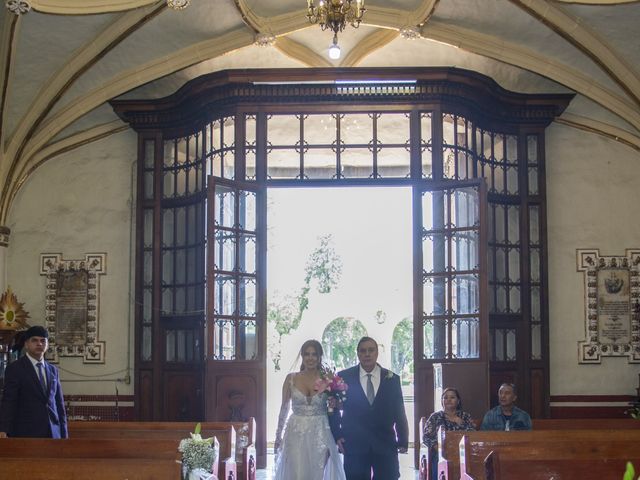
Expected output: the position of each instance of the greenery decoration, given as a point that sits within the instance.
(325, 266)
(630, 473)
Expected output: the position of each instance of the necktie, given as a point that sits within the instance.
(371, 393)
(43, 382)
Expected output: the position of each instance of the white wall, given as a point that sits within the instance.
(75, 204)
(592, 202)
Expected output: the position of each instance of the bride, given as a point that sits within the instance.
(307, 450)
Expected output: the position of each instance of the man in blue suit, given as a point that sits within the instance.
(32, 401)
(373, 426)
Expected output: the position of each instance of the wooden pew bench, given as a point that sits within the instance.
(452, 439)
(566, 454)
(84, 458)
(242, 449)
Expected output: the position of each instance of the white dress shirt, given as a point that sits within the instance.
(375, 378)
(35, 367)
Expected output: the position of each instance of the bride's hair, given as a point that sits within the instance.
(318, 348)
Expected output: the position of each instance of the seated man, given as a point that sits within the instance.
(506, 416)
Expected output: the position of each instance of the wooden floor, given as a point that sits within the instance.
(407, 472)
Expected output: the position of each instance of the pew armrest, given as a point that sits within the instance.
(492, 466)
(249, 457)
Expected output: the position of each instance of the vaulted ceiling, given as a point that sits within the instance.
(61, 61)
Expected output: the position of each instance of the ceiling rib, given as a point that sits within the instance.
(587, 41)
(493, 47)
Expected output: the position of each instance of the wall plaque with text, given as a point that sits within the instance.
(72, 302)
(612, 305)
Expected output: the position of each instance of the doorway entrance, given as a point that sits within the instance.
(339, 266)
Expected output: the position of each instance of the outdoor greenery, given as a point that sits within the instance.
(340, 340)
(402, 350)
(325, 267)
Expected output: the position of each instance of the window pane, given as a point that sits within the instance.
(393, 162)
(357, 163)
(425, 144)
(536, 341)
(393, 128)
(465, 209)
(146, 343)
(320, 163)
(435, 295)
(434, 210)
(225, 207)
(435, 338)
(225, 295)
(225, 251)
(465, 295)
(283, 129)
(320, 129)
(247, 297)
(356, 129)
(465, 250)
(434, 252)
(466, 338)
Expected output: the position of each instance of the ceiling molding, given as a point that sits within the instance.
(301, 53)
(580, 36)
(86, 7)
(496, 48)
(52, 150)
(600, 128)
(368, 45)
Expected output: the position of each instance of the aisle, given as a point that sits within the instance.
(407, 471)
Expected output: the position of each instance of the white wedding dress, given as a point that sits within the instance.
(308, 450)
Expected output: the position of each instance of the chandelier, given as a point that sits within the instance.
(334, 15)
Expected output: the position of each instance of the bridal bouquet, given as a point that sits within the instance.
(335, 388)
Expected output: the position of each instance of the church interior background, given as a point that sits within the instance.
(130, 131)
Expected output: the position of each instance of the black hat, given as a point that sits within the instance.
(36, 331)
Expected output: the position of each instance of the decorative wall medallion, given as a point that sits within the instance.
(72, 306)
(612, 306)
(19, 7)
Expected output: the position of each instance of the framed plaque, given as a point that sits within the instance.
(72, 306)
(612, 306)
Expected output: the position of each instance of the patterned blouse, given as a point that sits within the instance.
(438, 419)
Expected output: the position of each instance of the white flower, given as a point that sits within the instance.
(389, 375)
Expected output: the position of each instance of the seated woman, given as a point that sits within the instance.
(451, 417)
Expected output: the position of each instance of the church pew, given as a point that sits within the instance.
(243, 448)
(548, 454)
(224, 432)
(98, 459)
(452, 439)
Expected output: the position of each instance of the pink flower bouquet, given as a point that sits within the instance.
(335, 388)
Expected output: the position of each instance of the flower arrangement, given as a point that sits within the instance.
(335, 388)
(198, 452)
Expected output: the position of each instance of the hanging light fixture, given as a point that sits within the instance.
(334, 15)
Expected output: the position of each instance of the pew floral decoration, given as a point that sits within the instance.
(630, 473)
(197, 452)
(335, 388)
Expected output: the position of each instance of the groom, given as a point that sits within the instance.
(373, 427)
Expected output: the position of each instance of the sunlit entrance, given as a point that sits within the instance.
(339, 266)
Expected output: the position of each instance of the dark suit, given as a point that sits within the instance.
(26, 410)
(372, 433)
